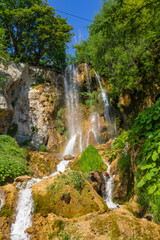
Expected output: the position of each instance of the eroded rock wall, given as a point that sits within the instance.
(26, 110)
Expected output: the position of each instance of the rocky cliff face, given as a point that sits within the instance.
(27, 103)
(33, 108)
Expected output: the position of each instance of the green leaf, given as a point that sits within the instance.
(156, 117)
(154, 156)
(148, 166)
(152, 189)
(141, 182)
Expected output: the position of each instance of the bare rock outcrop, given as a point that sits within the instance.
(27, 103)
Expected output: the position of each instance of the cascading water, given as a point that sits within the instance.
(108, 194)
(25, 205)
(108, 112)
(24, 209)
(94, 127)
(71, 83)
(1, 199)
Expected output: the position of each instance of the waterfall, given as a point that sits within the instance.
(108, 193)
(25, 205)
(94, 127)
(24, 210)
(71, 83)
(77, 140)
(1, 199)
(108, 111)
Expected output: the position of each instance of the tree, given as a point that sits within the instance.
(124, 44)
(33, 33)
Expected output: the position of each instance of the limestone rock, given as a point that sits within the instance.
(22, 178)
(63, 196)
(68, 157)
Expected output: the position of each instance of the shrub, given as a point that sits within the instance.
(78, 181)
(118, 145)
(90, 160)
(13, 160)
(42, 148)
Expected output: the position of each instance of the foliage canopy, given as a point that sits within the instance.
(33, 34)
(124, 44)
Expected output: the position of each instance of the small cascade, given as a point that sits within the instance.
(94, 127)
(108, 194)
(1, 199)
(25, 205)
(24, 210)
(108, 111)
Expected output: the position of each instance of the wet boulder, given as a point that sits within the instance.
(98, 182)
(24, 178)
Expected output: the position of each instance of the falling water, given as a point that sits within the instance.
(94, 127)
(24, 209)
(1, 199)
(25, 205)
(108, 111)
(71, 83)
(108, 194)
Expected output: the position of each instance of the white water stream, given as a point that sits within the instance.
(25, 205)
(108, 194)
(1, 199)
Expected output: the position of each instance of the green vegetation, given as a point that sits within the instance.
(78, 181)
(13, 160)
(143, 142)
(69, 196)
(90, 99)
(23, 21)
(6, 211)
(42, 148)
(118, 145)
(59, 123)
(123, 45)
(90, 160)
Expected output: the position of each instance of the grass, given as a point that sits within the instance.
(69, 195)
(6, 211)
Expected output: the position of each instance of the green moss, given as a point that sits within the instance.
(42, 148)
(6, 211)
(68, 196)
(108, 225)
(13, 160)
(12, 130)
(90, 160)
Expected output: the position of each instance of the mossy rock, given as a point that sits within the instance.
(67, 195)
(90, 160)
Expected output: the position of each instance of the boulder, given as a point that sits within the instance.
(24, 178)
(98, 182)
(68, 157)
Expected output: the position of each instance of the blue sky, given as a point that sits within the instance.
(83, 8)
